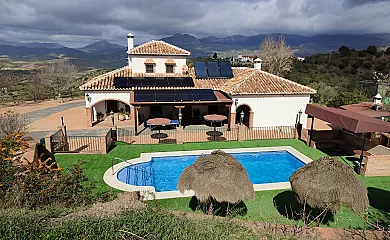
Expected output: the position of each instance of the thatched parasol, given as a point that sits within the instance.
(217, 176)
(329, 183)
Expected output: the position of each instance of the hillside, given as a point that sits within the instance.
(303, 45)
(350, 70)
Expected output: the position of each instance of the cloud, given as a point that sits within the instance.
(76, 23)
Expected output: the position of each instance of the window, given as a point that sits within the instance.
(149, 68)
(169, 68)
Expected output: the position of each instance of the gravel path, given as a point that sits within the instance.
(39, 114)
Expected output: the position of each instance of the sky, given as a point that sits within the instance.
(75, 23)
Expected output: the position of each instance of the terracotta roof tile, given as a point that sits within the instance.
(149, 61)
(158, 48)
(245, 81)
(170, 61)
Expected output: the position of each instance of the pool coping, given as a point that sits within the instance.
(149, 193)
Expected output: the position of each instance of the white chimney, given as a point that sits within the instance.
(258, 63)
(130, 41)
(378, 99)
(130, 45)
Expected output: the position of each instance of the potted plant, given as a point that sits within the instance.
(99, 116)
(126, 114)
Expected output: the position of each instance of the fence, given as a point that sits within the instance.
(148, 137)
(208, 135)
(60, 142)
(188, 135)
(257, 133)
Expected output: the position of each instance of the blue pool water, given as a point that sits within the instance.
(163, 172)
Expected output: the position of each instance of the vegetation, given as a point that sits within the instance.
(12, 123)
(276, 55)
(38, 184)
(347, 71)
(147, 223)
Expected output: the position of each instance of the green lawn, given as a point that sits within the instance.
(260, 209)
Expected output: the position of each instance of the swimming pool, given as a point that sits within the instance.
(164, 172)
(156, 174)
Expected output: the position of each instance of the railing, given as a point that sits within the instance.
(146, 136)
(58, 141)
(258, 133)
(85, 144)
(209, 135)
(141, 176)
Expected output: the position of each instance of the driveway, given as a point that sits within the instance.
(42, 113)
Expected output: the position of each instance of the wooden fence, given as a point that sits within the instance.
(186, 135)
(60, 142)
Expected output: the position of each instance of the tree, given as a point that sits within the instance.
(60, 75)
(345, 98)
(372, 50)
(324, 92)
(12, 123)
(344, 50)
(388, 50)
(277, 55)
(215, 56)
(37, 87)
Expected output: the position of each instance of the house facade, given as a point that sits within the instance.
(157, 83)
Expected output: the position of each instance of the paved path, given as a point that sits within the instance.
(39, 114)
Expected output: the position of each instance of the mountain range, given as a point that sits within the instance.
(108, 55)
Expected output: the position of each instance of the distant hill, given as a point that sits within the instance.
(104, 46)
(20, 51)
(304, 46)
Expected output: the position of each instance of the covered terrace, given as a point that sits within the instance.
(351, 122)
(187, 106)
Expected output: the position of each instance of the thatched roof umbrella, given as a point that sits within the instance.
(329, 183)
(217, 176)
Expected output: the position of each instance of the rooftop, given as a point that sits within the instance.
(246, 81)
(158, 48)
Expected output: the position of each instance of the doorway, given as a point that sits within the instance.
(246, 110)
(112, 105)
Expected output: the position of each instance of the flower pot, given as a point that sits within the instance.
(121, 117)
(127, 117)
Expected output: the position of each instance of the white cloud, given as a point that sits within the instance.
(75, 22)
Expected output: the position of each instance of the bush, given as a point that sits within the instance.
(361, 54)
(12, 123)
(346, 98)
(39, 184)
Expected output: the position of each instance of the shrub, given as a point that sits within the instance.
(38, 184)
(345, 98)
(12, 123)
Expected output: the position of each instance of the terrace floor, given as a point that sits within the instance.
(268, 206)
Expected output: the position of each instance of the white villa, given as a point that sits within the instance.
(157, 83)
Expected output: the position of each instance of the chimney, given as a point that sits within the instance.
(130, 41)
(378, 99)
(258, 63)
(130, 45)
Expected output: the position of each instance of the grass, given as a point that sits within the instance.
(260, 209)
(146, 223)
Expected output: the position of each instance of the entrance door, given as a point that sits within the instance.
(112, 105)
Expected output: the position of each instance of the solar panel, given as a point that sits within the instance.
(174, 95)
(120, 82)
(213, 69)
(200, 70)
(226, 69)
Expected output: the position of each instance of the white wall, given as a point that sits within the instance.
(97, 96)
(272, 111)
(138, 63)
